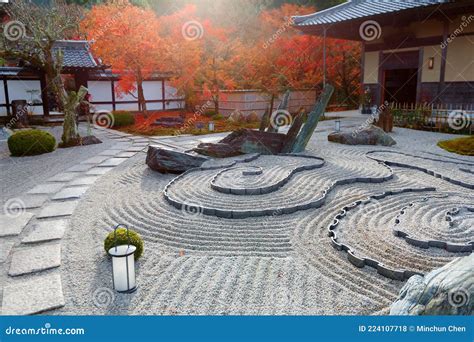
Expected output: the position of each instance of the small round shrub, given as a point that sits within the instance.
(123, 118)
(122, 239)
(31, 142)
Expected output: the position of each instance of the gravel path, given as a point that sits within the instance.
(197, 263)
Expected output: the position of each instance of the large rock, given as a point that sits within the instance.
(169, 161)
(244, 141)
(448, 290)
(370, 135)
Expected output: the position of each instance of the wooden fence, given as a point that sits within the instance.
(446, 118)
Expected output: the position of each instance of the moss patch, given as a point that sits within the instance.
(464, 146)
(31, 142)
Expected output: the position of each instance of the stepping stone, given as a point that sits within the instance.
(14, 224)
(95, 160)
(32, 201)
(110, 152)
(84, 181)
(80, 168)
(46, 231)
(69, 193)
(58, 209)
(5, 248)
(48, 188)
(33, 296)
(135, 149)
(112, 162)
(62, 177)
(35, 259)
(126, 154)
(99, 171)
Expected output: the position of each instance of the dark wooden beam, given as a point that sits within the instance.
(7, 98)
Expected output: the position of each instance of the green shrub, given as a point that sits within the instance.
(210, 113)
(464, 145)
(122, 239)
(123, 118)
(31, 142)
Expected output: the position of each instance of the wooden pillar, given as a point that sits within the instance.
(112, 89)
(163, 96)
(420, 70)
(379, 97)
(44, 94)
(7, 97)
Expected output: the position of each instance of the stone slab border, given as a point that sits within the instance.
(240, 214)
(450, 247)
(358, 261)
(414, 167)
(270, 188)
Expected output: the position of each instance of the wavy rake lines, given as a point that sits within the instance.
(396, 274)
(258, 209)
(258, 175)
(450, 247)
(419, 168)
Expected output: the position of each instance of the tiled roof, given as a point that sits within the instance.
(357, 9)
(76, 54)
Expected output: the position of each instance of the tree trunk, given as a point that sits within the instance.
(271, 104)
(216, 104)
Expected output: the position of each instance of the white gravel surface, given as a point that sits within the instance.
(274, 264)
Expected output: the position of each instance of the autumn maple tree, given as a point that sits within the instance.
(127, 38)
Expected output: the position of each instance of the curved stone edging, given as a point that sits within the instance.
(414, 167)
(238, 214)
(266, 189)
(450, 247)
(360, 262)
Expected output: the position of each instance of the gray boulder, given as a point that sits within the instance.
(371, 135)
(448, 290)
(168, 161)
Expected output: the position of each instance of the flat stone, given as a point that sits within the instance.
(84, 181)
(98, 171)
(46, 231)
(126, 154)
(62, 177)
(95, 160)
(13, 224)
(5, 248)
(136, 148)
(58, 209)
(35, 259)
(80, 168)
(112, 162)
(48, 188)
(32, 201)
(69, 193)
(110, 152)
(33, 296)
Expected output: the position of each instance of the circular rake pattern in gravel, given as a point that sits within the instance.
(441, 221)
